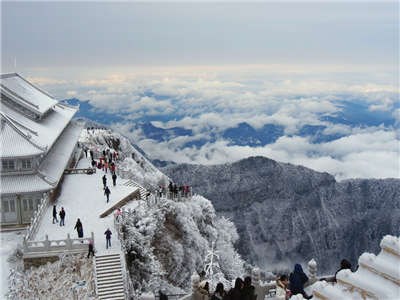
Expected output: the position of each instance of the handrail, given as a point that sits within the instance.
(56, 246)
(36, 218)
(80, 171)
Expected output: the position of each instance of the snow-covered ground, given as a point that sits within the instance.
(9, 242)
(82, 196)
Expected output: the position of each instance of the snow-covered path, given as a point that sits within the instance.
(82, 196)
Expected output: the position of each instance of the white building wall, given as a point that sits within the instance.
(18, 209)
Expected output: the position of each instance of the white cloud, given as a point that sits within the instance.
(71, 93)
(46, 81)
(363, 155)
(337, 129)
(212, 100)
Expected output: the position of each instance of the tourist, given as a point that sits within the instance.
(62, 216)
(91, 248)
(112, 168)
(91, 154)
(202, 275)
(85, 149)
(118, 214)
(171, 189)
(186, 190)
(297, 280)
(236, 292)
(203, 291)
(282, 292)
(260, 288)
(248, 291)
(93, 163)
(79, 228)
(160, 191)
(162, 296)
(344, 264)
(219, 293)
(114, 179)
(108, 238)
(107, 192)
(55, 214)
(104, 178)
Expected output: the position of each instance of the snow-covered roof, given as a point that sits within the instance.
(13, 142)
(56, 160)
(23, 184)
(51, 168)
(42, 134)
(378, 277)
(26, 94)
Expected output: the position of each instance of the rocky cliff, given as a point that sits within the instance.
(286, 214)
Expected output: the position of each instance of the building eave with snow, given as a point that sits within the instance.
(377, 276)
(38, 141)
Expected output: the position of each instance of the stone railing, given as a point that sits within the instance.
(180, 196)
(37, 216)
(132, 196)
(80, 171)
(78, 154)
(48, 247)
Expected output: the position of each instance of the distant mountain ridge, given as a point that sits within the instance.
(286, 213)
(355, 114)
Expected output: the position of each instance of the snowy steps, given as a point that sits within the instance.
(109, 279)
(376, 277)
(142, 190)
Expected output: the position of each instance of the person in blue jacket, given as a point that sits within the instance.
(297, 280)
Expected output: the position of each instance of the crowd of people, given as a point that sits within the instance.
(106, 162)
(244, 289)
(173, 191)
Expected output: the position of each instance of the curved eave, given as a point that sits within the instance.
(23, 184)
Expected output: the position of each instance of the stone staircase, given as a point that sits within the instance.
(143, 191)
(109, 279)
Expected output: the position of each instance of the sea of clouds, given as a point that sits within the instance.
(209, 101)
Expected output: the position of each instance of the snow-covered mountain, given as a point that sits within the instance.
(166, 240)
(286, 214)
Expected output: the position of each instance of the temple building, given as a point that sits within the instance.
(38, 141)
